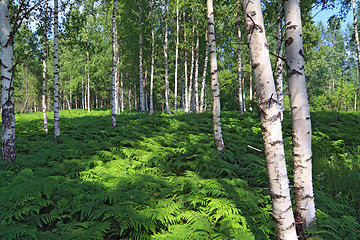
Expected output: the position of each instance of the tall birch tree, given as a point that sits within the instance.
(167, 90)
(270, 120)
(56, 71)
(214, 78)
(44, 87)
(7, 85)
(355, 24)
(203, 83)
(142, 98)
(176, 55)
(301, 121)
(152, 59)
(240, 81)
(114, 99)
(279, 60)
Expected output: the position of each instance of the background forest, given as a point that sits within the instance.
(156, 172)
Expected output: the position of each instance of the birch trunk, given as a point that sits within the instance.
(88, 84)
(279, 65)
(152, 64)
(56, 71)
(190, 89)
(176, 55)
(135, 98)
(355, 22)
(129, 98)
(196, 77)
(185, 68)
(122, 91)
(142, 102)
(202, 96)
(302, 153)
(270, 121)
(43, 100)
(117, 83)
(167, 90)
(214, 78)
(240, 82)
(114, 61)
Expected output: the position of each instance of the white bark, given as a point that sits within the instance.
(122, 91)
(185, 68)
(240, 81)
(302, 153)
(152, 65)
(142, 99)
(214, 78)
(167, 90)
(129, 98)
(202, 95)
(190, 89)
(279, 65)
(196, 77)
(56, 72)
(114, 61)
(176, 55)
(355, 22)
(270, 120)
(43, 102)
(88, 83)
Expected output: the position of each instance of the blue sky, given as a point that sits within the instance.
(324, 15)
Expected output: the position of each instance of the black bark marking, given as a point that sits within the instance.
(255, 65)
(276, 143)
(289, 41)
(293, 72)
(291, 27)
(301, 53)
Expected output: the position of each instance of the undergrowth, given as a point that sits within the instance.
(160, 177)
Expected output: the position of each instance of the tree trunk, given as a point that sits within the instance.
(214, 78)
(129, 97)
(279, 52)
(270, 121)
(176, 56)
(43, 102)
(185, 67)
(202, 96)
(302, 153)
(240, 81)
(196, 77)
(56, 72)
(135, 98)
(114, 61)
(70, 101)
(88, 83)
(251, 94)
(355, 22)
(152, 62)
(142, 102)
(190, 89)
(122, 91)
(167, 90)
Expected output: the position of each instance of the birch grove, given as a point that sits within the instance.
(301, 121)
(270, 120)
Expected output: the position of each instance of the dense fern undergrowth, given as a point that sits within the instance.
(160, 177)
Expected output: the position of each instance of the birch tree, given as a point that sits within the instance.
(142, 98)
(44, 87)
(176, 55)
(214, 78)
(202, 93)
(152, 60)
(7, 85)
(240, 81)
(56, 71)
(355, 24)
(279, 52)
(301, 129)
(114, 99)
(270, 120)
(167, 90)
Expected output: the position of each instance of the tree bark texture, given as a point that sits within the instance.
(167, 90)
(301, 129)
(214, 78)
(142, 99)
(270, 120)
(279, 63)
(176, 56)
(56, 71)
(240, 81)
(114, 61)
(202, 94)
(44, 87)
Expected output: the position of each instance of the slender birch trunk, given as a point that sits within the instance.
(196, 77)
(240, 81)
(270, 121)
(56, 72)
(152, 62)
(186, 67)
(214, 78)
(114, 61)
(43, 102)
(70, 96)
(167, 90)
(190, 89)
(202, 96)
(251, 94)
(88, 83)
(176, 56)
(122, 91)
(135, 98)
(302, 153)
(82, 93)
(117, 83)
(129, 98)
(279, 52)
(355, 22)
(142, 102)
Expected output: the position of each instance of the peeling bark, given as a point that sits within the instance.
(270, 121)
(304, 196)
(214, 78)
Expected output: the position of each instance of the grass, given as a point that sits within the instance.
(160, 177)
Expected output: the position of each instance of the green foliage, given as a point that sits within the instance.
(160, 177)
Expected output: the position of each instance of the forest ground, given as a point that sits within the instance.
(160, 177)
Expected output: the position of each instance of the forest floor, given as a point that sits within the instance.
(160, 177)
